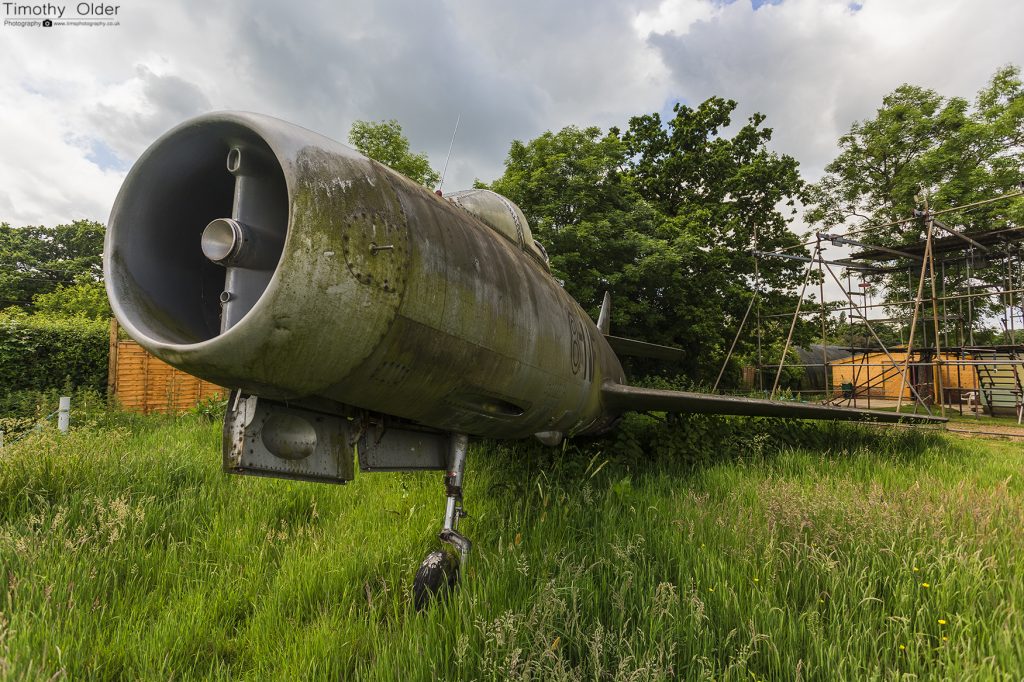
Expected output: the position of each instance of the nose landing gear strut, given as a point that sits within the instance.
(439, 572)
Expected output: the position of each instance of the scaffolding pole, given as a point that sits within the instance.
(937, 360)
(913, 319)
(792, 326)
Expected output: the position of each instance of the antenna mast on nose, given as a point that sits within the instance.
(448, 158)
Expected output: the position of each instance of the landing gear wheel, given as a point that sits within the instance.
(436, 576)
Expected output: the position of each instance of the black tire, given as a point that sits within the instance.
(438, 574)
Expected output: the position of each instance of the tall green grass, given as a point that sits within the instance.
(851, 554)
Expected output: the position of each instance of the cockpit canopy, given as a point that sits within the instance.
(502, 216)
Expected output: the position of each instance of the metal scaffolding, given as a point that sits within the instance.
(927, 357)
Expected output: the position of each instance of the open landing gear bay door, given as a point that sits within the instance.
(267, 438)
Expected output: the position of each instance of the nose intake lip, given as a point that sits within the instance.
(187, 227)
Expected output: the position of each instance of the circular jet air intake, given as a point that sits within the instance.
(196, 232)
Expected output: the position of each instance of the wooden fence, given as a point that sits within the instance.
(142, 383)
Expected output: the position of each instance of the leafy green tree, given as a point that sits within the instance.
(921, 144)
(592, 222)
(724, 191)
(84, 299)
(664, 217)
(37, 260)
(385, 142)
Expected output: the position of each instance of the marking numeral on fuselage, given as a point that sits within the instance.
(581, 349)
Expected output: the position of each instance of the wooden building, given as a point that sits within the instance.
(878, 376)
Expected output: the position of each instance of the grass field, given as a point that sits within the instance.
(852, 553)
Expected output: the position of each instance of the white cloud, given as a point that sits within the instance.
(815, 66)
(675, 16)
(136, 111)
(46, 177)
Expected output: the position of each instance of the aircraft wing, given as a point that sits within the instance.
(635, 399)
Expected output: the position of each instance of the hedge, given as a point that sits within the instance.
(41, 352)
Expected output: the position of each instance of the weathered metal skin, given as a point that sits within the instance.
(385, 297)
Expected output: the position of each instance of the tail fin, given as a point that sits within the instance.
(623, 346)
(604, 320)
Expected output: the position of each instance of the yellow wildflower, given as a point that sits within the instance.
(926, 585)
(941, 621)
(902, 648)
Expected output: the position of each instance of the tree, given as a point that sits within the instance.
(921, 144)
(37, 260)
(384, 142)
(86, 299)
(663, 216)
(582, 208)
(724, 191)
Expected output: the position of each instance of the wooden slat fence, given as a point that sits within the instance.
(142, 383)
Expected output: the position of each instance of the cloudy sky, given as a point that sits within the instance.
(79, 104)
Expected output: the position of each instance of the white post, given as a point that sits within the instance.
(64, 415)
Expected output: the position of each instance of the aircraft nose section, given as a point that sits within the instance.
(197, 232)
(237, 240)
